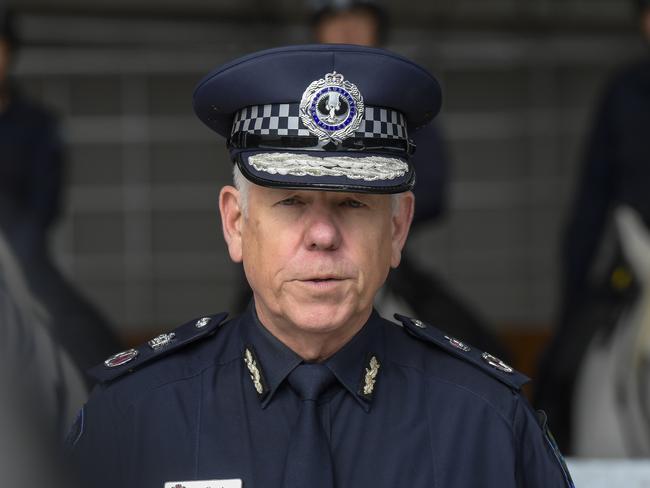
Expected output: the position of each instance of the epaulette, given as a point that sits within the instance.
(127, 361)
(492, 365)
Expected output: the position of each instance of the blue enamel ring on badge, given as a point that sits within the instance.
(332, 108)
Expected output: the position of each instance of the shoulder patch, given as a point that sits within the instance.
(127, 361)
(482, 360)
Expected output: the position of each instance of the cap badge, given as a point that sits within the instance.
(121, 358)
(332, 108)
(496, 363)
(161, 341)
(371, 376)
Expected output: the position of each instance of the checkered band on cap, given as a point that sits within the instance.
(283, 119)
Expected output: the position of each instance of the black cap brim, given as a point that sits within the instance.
(311, 177)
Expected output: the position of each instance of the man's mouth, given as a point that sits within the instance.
(322, 282)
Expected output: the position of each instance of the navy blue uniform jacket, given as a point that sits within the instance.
(435, 416)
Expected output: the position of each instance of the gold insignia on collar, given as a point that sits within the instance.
(254, 371)
(371, 376)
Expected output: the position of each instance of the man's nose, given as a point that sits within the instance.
(322, 232)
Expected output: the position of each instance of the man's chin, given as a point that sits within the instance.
(324, 316)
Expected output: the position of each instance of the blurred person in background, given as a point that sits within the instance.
(409, 289)
(31, 152)
(364, 23)
(31, 185)
(615, 172)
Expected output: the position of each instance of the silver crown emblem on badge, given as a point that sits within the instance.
(332, 108)
(334, 77)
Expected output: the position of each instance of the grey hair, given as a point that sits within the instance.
(243, 186)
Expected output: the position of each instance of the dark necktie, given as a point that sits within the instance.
(309, 461)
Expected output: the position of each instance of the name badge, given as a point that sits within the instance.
(235, 483)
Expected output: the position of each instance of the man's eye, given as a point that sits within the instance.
(353, 204)
(289, 201)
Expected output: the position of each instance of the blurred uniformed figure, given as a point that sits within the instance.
(41, 388)
(310, 386)
(31, 185)
(31, 156)
(615, 172)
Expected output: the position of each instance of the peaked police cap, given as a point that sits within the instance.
(325, 116)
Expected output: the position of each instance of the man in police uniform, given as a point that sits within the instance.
(310, 387)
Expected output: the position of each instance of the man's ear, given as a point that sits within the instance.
(401, 223)
(231, 221)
